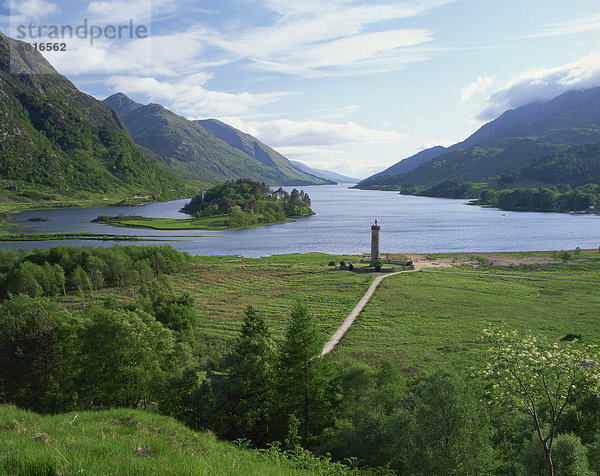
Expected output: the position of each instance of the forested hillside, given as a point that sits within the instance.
(58, 143)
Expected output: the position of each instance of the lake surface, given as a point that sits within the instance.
(342, 226)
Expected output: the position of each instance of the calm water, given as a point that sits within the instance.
(342, 225)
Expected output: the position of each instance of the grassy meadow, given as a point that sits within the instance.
(426, 319)
(416, 320)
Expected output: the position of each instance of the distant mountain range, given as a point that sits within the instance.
(58, 143)
(205, 152)
(326, 174)
(512, 149)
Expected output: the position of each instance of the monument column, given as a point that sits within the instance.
(375, 242)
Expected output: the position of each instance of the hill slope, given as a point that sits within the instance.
(57, 142)
(326, 174)
(506, 145)
(127, 442)
(204, 152)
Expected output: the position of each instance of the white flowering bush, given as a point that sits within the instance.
(539, 378)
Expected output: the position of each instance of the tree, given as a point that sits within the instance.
(174, 310)
(541, 379)
(244, 397)
(569, 457)
(37, 354)
(124, 356)
(448, 430)
(305, 384)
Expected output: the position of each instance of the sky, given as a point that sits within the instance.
(352, 86)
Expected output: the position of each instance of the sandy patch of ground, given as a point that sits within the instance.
(495, 259)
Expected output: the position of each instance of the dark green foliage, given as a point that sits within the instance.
(568, 455)
(37, 354)
(578, 165)
(306, 393)
(448, 431)
(126, 355)
(542, 199)
(249, 202)
(244, 398)
(451, 188)
(174, 310)
(188, 398)
(84, 269)
(437, 427)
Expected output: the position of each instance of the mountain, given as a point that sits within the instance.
(59, 143)
(506, 146)
(326, 174)
(204, 152)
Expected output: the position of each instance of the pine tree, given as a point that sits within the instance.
(305, 384)
(243, 397)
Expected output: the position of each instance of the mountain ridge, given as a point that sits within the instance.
(57, 142)
(326, 174)
(204, 152)
(505, 145)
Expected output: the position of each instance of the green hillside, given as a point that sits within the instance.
(130, 442)
(57, 143)
(204, 153)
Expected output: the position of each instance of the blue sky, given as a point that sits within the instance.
(352, 86)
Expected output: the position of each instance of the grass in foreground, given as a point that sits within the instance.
(130, 442)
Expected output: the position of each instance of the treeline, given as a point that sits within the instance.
(577, 166)
(282, 393)
(57, 270)
(552, 199)
(542, 199)
(248, 202)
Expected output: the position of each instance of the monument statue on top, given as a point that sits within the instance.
(375, 243)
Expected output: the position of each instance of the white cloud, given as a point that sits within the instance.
(188, 97)
(32, 9)
(104, 57)
(287, 133)
(543, 84)
(477, 86)
(346, 148)
(313, 38)
(122, 10)
(586, 24)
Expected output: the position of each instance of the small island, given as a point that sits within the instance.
(238, 203)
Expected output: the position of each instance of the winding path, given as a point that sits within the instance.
(335, 338)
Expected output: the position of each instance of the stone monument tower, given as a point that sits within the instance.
(375, 242)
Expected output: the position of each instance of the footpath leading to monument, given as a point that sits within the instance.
(335, 338)
(423, 263)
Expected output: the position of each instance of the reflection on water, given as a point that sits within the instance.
(342, 226)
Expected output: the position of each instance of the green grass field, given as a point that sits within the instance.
(127, 442)
(416, 320)
(425, 319)
(217, 222)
